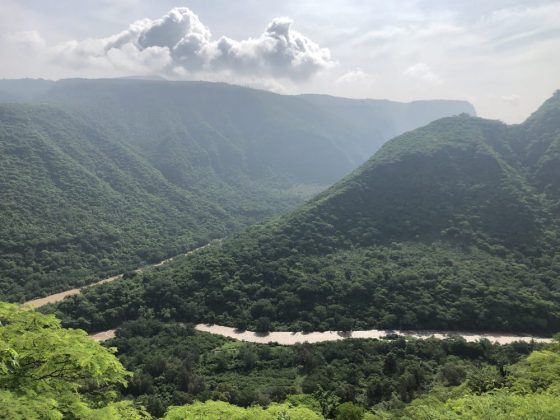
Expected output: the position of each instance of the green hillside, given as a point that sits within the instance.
(227, 128)
(451, 226)
(102, 176)
(539, 146)
(75, 204)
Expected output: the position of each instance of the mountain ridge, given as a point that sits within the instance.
(128, 172)
(443, 228)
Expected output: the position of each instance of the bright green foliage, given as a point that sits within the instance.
(218, 410)
(484, 379)
(349, 411)
(289, 412)
(540, 371)
(49, 372)
(531, 391)
(13, 406)
(122, 410)
(304, 400)
(498, 405)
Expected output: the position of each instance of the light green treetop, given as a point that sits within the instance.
(47, 371)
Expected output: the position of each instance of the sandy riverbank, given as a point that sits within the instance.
(103, 335)
(290, 338)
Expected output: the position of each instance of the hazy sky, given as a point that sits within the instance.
(501, 55)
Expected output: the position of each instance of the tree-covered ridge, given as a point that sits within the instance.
(224, 128)
(444, 228)
(542, 152)
(459, 173)
(76, 205)
(103, 176)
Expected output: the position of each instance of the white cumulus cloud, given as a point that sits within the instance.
(179, 44)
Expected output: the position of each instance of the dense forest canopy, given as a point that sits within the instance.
(103, 176)
(450, 226)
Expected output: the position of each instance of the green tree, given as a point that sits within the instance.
(219, 410)
(349, 411)
(51, 372)
(263, 324)
(484, 379)
(540, 371)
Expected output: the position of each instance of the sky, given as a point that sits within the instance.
(501, 55)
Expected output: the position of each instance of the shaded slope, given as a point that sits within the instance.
(76, 204)
(230, 128)
(227, 129)
(539, 146)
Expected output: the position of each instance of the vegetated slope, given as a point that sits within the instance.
(230, 128)
(541, 153)
(76, 203)
(141, 170)
(451, 226)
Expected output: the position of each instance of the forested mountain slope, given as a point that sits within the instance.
(225, 128)
(538, 144)
(451, 226)
(74, 201)
(102, 176)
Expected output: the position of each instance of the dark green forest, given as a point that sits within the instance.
(450, 226)
(99, 177)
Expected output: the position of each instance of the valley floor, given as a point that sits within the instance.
(288, 338)
(291, 338)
